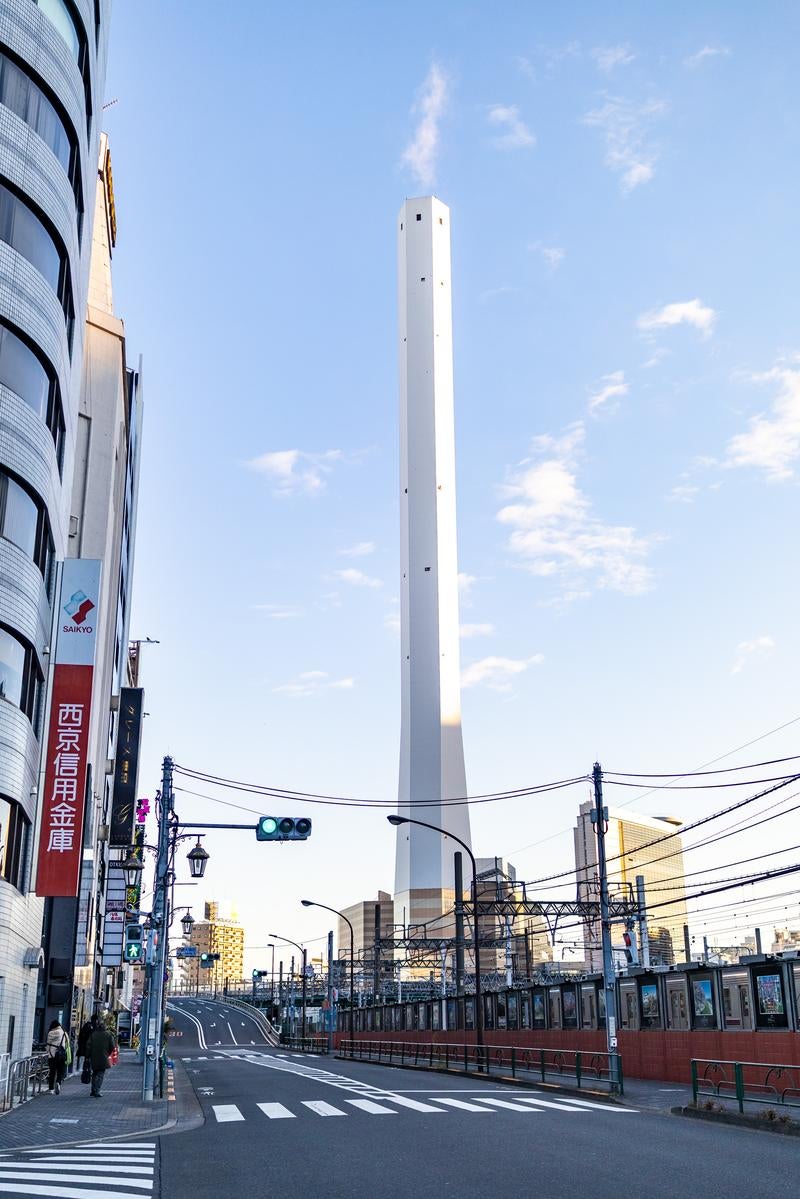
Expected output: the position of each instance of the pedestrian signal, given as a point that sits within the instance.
(133, 950)
(283, 828)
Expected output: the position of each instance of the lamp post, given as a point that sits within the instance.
(397, 820)
(303, 998)
(312, 903)
(272, 976)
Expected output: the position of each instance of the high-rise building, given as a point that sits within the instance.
(216, 934)
(517, 943)
(52, 69)
(431, 750)
(661, 866)
(362, 917)
(102, 526)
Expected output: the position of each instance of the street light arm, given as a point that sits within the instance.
(435, 828)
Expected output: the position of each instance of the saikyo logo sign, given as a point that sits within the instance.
(64, 798)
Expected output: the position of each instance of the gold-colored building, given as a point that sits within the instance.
(216, 934)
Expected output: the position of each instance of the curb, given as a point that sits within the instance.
(739, 1120)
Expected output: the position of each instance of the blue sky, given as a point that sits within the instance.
(623, 183)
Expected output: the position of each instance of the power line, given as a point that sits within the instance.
(698, 773)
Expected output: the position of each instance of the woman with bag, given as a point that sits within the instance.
(100, 1048)
(57, 1049)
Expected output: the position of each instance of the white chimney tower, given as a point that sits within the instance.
(431, 747)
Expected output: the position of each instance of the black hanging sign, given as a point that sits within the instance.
(126, 766)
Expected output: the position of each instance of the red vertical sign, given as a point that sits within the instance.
(64, 799)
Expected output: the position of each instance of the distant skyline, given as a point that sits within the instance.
(623, 188)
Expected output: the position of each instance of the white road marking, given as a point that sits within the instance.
(462, 1105)
(226, 1112)
(374, 1109)
(514, 1107)
(276, 1111)
(414, 1104)
(80, 1167)
(576, 1105)
(230, 1030)
(61, 1192)
(322, 1108)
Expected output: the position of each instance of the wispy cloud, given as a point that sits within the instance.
(277, 611)
(611, 387)
(687, 312)
(313, 682)
(362, 549)
(295, 472)
(554, 531)
(516, 135)
(683, 493)
(772, 439)
(625, 126)
(746, 651)
(466, 582)
(421, 154)
(609, 57)
(696, 60)
(476, 630)
(552, 255)
(357, 578)
(497, 673)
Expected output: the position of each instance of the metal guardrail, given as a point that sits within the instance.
(305, 1044)
(257, 1015)
(746, 1082)
(25, 1078)
(576, 1067)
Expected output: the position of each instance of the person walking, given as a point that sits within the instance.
(100, 1046)
(57, 1041)
(83, 1041)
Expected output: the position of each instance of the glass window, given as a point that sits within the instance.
(28, 101)
(23, 230)
(59, 14)
(22, 372)
(19, 515)
(14, 826)
(12, 668)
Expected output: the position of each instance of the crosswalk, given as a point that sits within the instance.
(393, 1104)
(111, 1170)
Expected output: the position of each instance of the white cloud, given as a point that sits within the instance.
(552, 255)
(497, 673)
(612, 385)
(683, 493)
(609, 57)
(476, 630)
(772, 440)
(357, 578)
(466, 582)
(293, 472)
(695, 60)
(277, 611)
(362, 549)
(516, 135)
(747, 650)
(687, 312)
(313, 682)
(421, 153)
(624, 126)
(554, 531)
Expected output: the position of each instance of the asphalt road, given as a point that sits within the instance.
(317, 1128)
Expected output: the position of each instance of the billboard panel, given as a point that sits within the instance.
(126, 766)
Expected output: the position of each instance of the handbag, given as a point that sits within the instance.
(86, 1072)
(113, 1057)
(60, 1054)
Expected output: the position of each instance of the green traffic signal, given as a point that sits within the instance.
(283, 828)
(133, 950)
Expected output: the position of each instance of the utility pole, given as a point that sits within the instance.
(443, 1022)
(509, 960)
(599, 819)
(331, 1008)
(153, 1024)
(376, 966)
(644, 936)
(459, 908)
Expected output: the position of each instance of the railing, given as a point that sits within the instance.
(578, 1068)
(746, 1082)
(313, 1044)
(24, 1079)
(257, 1015)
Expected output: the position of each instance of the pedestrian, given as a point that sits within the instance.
(100, 1046)
(57, 1042)
(83, 1040)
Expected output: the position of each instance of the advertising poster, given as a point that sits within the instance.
(539, 1016)
(702, 993)
(770, 999)
(569, 1007)
(648, 998)
(555, 1009)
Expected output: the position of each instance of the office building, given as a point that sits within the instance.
(217, 933)
(362, 916)
(431, 750)
(52, 69)
(629, 853)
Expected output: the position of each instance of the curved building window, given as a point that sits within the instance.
(14, 831)
(19, 515)
(60, 14)
(22, 229)
(22, 371)
(20, 681)
(27, 100)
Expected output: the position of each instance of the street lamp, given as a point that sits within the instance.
(311, 903)
(187, 924)
(397, 820)
(132, 869)
(198, 860)
(305, 982)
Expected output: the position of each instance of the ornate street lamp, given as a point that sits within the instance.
(198, 860)
(187, 924)
(132, 869)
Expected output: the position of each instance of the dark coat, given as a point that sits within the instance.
(99, 1047)
(83, 1038)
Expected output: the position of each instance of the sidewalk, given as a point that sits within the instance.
(73, 1116)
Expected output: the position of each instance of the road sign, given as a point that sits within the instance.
(186, 951)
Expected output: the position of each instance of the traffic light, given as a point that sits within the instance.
(283, 828)
(133, 950)
(207, 960)
(631, 948)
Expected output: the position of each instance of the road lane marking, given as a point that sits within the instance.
(230, 1030)
(322, 1108)
(514, 1107)
(374, 1109)
(462, 1105)
(276, 1111)
(576, 1105)
(226, 1112)
(414, 1104)
(85, 1167)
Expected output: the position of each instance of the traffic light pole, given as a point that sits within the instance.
(153, 1024)
(599, 819)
